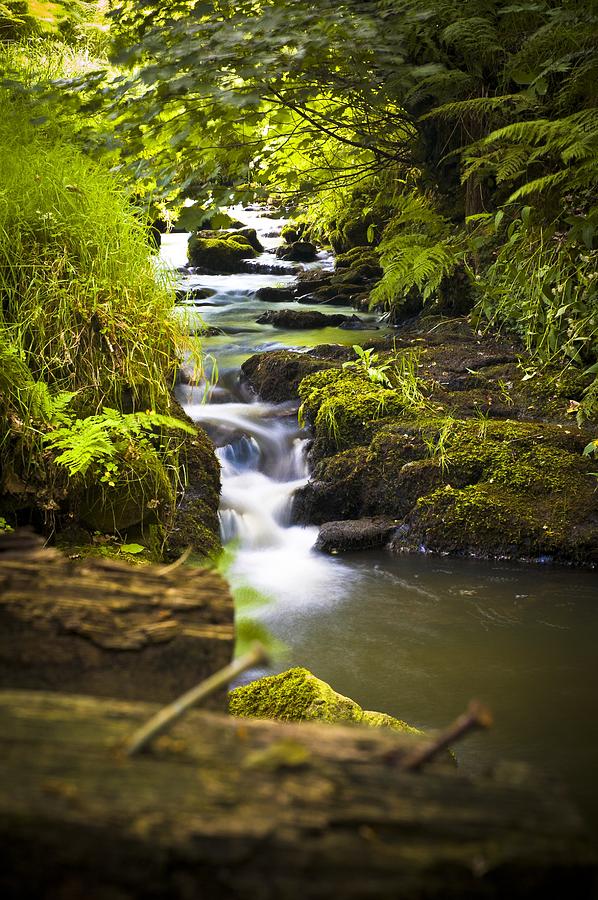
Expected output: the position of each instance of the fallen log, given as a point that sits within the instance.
(258, 810)
(101, 627)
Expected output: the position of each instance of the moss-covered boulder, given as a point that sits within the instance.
(276, 375)
(290, 234)
(195, 521)
(481, 487)
(297, 696)
(299, 251)
(139, 492)
(344, 406)
(222, 254)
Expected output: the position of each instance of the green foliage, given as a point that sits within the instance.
(417, 251)
(367, 361)
(88, 342)
(97, 441)
(543, 284)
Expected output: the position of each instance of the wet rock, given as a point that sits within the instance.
(274, 268)
(306, 319)
(355, 534)
(276, 294)
(275, 376)
(194, 295)
(354, 323)
(491, 489)
(220, 254)
(297, 696)
(290, 234)
(309, 282)
(195, 520)
(300, 251)
(251, 237)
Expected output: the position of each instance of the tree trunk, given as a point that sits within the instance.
(254, 810)
(105, 628)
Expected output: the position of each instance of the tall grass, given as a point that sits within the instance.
(81, 298)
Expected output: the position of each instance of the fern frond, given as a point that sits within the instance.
(479, 106)
(83, 443)
(475, 35)
(409, 262)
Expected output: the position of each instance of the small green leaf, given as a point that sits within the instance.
(131, 548)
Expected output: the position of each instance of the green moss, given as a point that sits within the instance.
(195, 526)
(343, 404)
(195, 521)
(220, 254)
(487, 487)
(290, 234)
(140, 493)
(297, 695)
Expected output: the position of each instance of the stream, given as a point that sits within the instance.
(414, 636)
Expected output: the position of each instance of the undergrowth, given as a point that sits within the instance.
(88, 343)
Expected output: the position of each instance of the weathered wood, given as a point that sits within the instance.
(231, 808)
(102, 627)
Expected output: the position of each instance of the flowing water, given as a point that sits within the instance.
(415, 636)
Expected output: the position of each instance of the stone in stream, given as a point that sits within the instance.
(355, 534)
(300, 251)
(290, 234)
(276, 267)
(309, 282)
(275, 294)
(354, 323)
(276, 375)
(307, 319)
(298, 696)
(223, 254)
(194, 295)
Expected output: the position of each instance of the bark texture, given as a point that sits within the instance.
(100, 627)
(229, 808)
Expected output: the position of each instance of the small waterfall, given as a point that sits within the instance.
(262, 450)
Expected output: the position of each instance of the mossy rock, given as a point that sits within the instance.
(220, 254)
(276, 375)
(298, 696)
(344, 405)
(141, 494)
(357, 256)
(195, 523)
(477, 486)
(290, 234)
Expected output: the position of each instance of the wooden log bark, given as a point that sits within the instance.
(101, 627)
(256, 810)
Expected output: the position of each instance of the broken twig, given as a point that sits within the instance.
(477, 716)
(168, 715)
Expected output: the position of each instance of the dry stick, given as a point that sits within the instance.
(477, 716)
(166, 717)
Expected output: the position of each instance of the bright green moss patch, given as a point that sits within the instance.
(343, 405)
(297, 695)
(221, 254)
